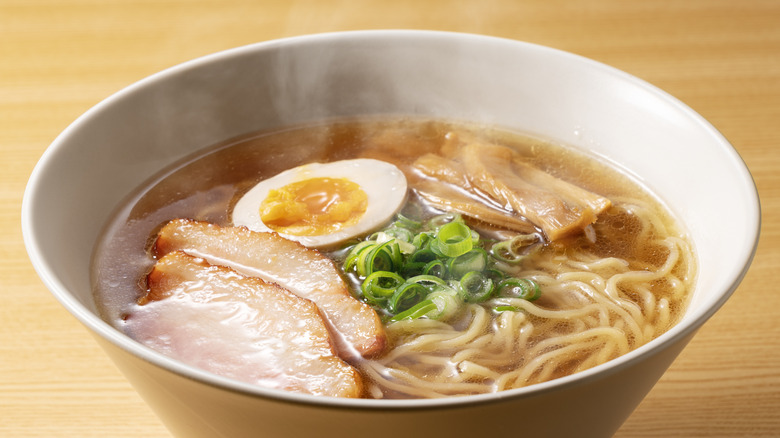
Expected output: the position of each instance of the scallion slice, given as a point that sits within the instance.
(513, 250)
(475, 287)
(429, 281)
(474, 260)
(352, 258)
(422, 255)
(384, 257)
(380, 285)
(453, 239)
(506, 309)
(422, 240)
(375, 259)
(406, 296)
(419, 310)
(402, 221)
(435, 268)
(522, 288)
(447, 303)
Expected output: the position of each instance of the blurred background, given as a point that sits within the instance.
(59, 58)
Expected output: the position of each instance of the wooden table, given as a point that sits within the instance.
(57, 59)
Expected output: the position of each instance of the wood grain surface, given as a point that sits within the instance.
(59, 58)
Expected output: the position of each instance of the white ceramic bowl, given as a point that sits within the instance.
(128, 137)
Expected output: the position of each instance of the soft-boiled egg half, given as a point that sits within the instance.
(322, 204)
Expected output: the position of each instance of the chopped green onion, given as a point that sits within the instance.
(475, 287)
(402, 236)
(502, 251)
(417, 261)
(422, 240)
(424, 255)
(407, 223)
(384, 257)
(375, 259)
(447, 304)
(453, 239)
(496, 275)
(406, 296)
(351, 261)
(506, 309)
(435, 268)
(429, 269)
(513, 250)
(411, 269)
(427, 280)
(380, 285)
(474, 260)
(519, 288)
(418, 310)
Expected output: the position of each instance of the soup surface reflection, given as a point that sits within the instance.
(520, 260)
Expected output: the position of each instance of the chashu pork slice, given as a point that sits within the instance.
(240, 327)
(558, 208)
(304, 271)
(445, 186)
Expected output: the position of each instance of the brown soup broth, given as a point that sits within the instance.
(207, 184)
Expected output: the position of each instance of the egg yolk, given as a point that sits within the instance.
(314, 206)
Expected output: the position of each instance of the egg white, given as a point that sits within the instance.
(384, 184)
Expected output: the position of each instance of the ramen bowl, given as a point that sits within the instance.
(649, 135)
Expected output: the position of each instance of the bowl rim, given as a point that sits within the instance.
(98, 326)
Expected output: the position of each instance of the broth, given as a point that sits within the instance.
(605, 292)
